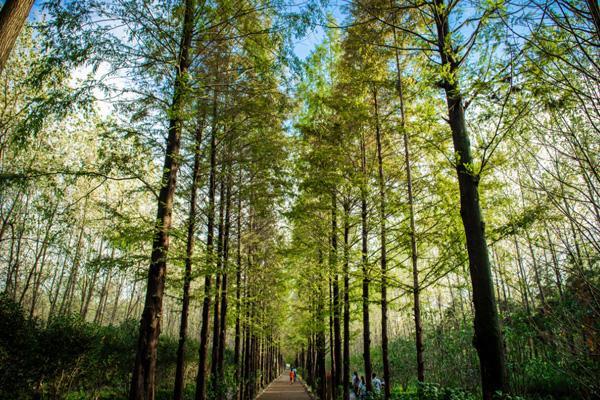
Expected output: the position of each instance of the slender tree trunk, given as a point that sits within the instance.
(536, 271)
(113, 314)
(217, 302)
(337, 340)
(247, 354)
(85, 305)
(103, 295)
(365, 270)
(56, 285)
(40, 257)
(224, 305)
(202, 352)
(411, 217)
(133, 295)
(37, 282)
(65, 307)
(332, 372)
(383, 260)
(488, 337)
(144, 370)
(346, 351)
(189, 253)
(321, 373)
(12, 18)
(246, 346)
(555, 264)
(523, 277)
(238, 284)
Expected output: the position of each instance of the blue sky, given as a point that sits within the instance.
(302, 46)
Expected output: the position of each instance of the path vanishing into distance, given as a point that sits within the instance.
(281, 388)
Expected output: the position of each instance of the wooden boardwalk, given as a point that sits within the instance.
(281, 389)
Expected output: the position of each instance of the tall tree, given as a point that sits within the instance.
(411, 212)
(488, 337)
(144, 370)
(383, 247)
(366, 276)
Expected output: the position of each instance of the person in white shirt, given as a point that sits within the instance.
(377, 383)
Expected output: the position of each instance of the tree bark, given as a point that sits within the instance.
(90, 290)
(203, 347)
(189, 253)
(238, 284)
(337, 334)
(12, 18)
(346, 350)
(144, 370)
(365, 270)
(383, 260)
(320, 344)
(214, 378)
(224, 305)
(65, 307)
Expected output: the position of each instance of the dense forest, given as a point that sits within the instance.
(191, 204)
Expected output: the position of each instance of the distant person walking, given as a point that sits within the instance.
(362, 389)
(291, 376)
(295, 374)
(377, 383)
(355, 383)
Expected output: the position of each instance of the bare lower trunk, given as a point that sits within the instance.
(238, 286)
(203, 348)
(365, 270)
(189, 253)
(346, 351)
(224, 305)
(337, 334)
(217, 301)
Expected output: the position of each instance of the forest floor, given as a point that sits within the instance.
(281, 389)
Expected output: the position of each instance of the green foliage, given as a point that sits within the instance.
(70, 358)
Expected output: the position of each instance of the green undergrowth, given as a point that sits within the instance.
(67, 358)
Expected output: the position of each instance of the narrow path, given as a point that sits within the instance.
(281, 389)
